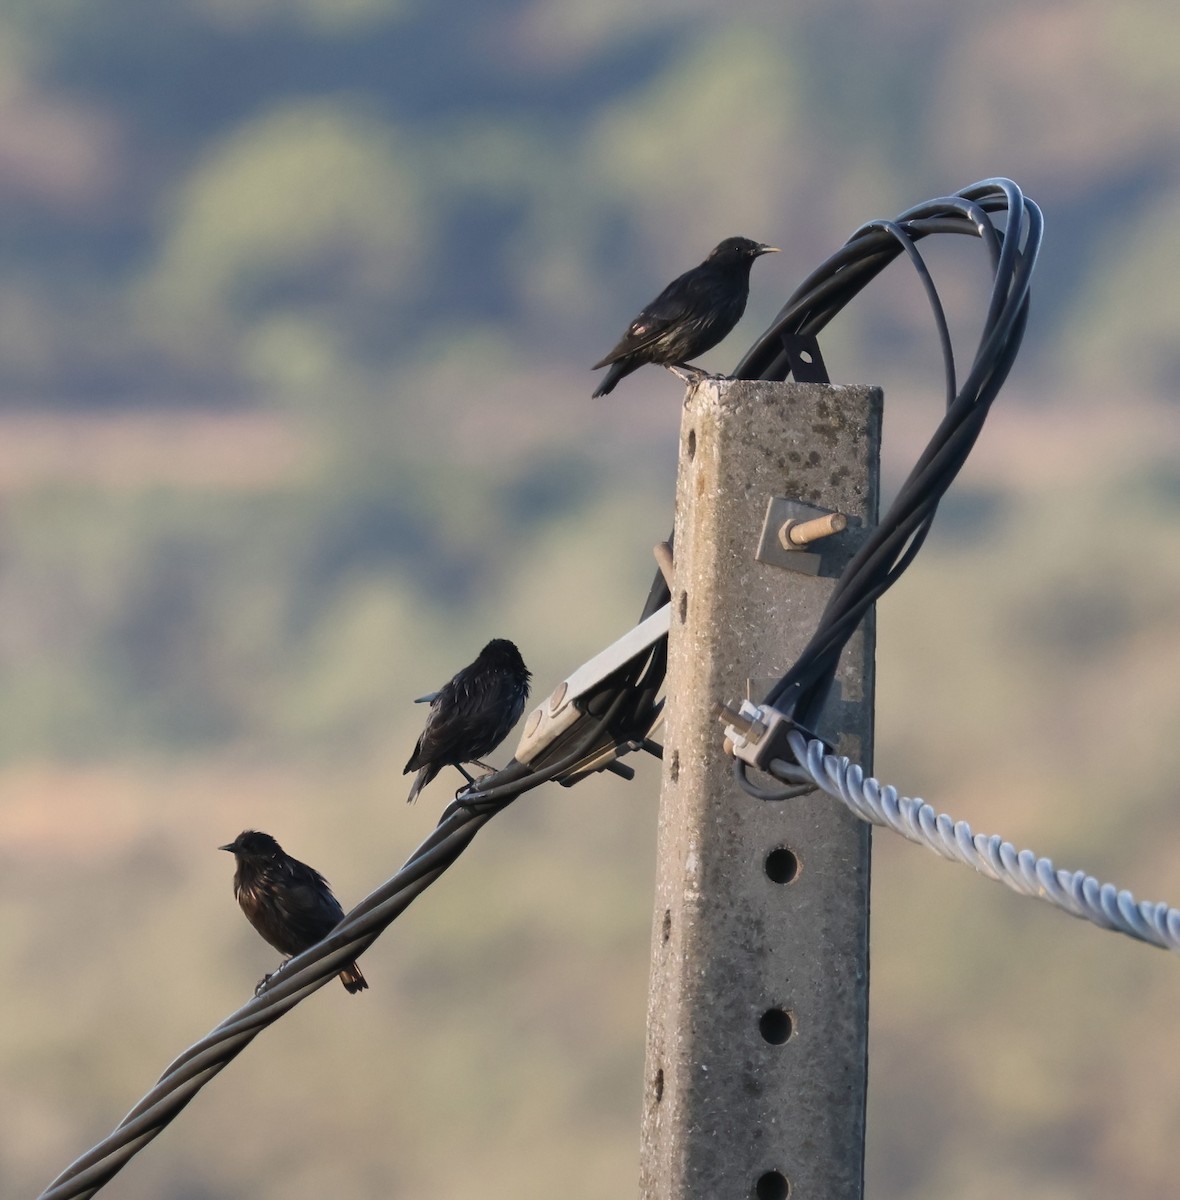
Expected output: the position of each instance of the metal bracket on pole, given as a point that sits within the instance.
(758, 1008)
(561, 711)
(807, 363)
(793, 536)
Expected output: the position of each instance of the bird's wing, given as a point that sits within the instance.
(312, 910)
(434, 737)
(458, 715)
(679, 299)
(422, 748)
(421, 755)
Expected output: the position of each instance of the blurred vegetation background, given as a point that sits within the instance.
(297, 307)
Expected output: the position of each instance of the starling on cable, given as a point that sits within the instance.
(472, 714)
(285, 900)
(691, 315)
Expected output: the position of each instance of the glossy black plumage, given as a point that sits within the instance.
(690, 316)
(289, 903)
(472, 713)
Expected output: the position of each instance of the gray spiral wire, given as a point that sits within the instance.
(1075, 892)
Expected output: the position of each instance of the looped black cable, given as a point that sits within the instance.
(895, 542)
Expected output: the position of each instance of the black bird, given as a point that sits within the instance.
(287, 901)
(691, 315)
(472, 714)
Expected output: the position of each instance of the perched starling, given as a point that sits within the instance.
(287, 901)
(472, 714)
(691, 315)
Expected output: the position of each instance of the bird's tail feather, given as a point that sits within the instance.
(420, 781)
(616, 372)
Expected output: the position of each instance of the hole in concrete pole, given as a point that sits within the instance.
(692, 444)
(674, 766)
(772, 1185)
(683, 607)
(666, 932)
(782, 866)
(776, 1026)
(658, 1087)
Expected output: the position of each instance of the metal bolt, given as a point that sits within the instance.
(663, 553)
(752, 730)
(794, 534)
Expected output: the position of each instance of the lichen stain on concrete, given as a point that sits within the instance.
(828, 431)
(790, 487)
(703, 486)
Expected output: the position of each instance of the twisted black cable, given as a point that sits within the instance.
(616, 716)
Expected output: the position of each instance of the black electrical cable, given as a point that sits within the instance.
(317, 966)
(622, 711)
(892, 546)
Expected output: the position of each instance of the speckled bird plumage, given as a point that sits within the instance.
(472, 713)
(690, 316)
(289, 903)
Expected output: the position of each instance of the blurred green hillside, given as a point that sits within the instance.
(297, 304)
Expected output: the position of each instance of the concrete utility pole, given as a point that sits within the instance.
(758, 1011)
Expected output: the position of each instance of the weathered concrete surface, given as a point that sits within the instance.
(723, 1105)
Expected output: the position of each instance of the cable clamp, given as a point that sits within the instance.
(758, 733)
